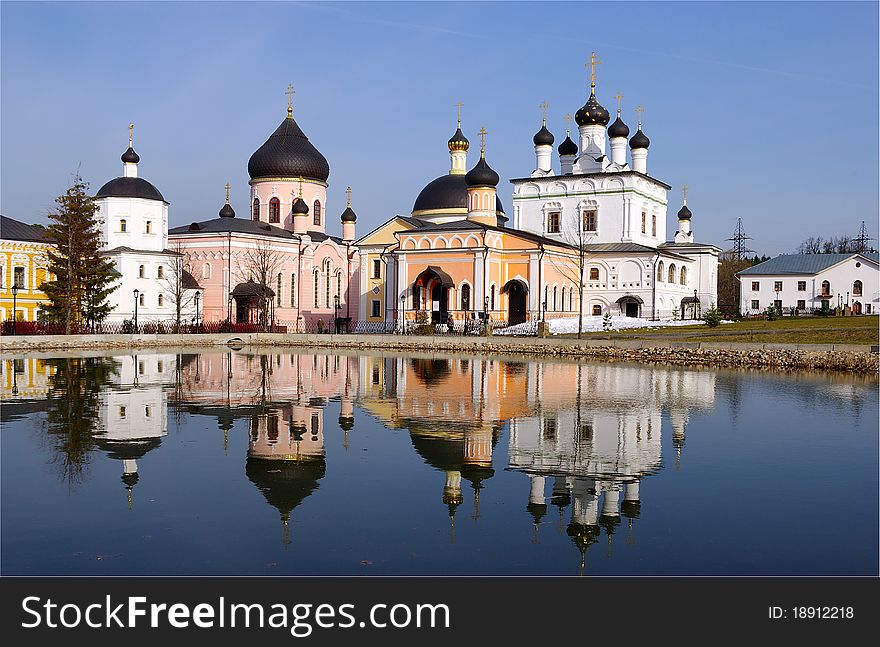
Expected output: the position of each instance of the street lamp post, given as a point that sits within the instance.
(402, 314)
(336, 313)
(136, 294)
(229, 311)
(14, 306)
(198, 296)
(777, 304)
(695, 304)
(486, 312)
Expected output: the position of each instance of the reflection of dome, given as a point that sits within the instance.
(631, 509)
(446, 192)
(285, 484)
(346, 423)
(288, 153)
(431, 371)
(122, 450)
(445, 451)
(537, 510)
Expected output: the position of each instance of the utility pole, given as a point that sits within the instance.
(861, 241)
(739, 249)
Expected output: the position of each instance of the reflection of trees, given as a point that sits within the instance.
(73, 411)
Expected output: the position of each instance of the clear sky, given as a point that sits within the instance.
(768, 111)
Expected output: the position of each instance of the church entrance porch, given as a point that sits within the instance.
(516, 301)
(690, 308)
(435, 284)
(630, 305)
(254, 303)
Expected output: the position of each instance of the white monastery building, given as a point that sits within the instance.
(810, 282)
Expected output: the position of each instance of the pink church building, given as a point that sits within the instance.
(279, 262)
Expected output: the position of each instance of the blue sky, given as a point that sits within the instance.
(769, 111)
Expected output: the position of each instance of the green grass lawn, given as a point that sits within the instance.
(802, 330)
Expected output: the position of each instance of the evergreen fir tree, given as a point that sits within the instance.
(83, 277)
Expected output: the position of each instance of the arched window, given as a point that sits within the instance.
(160, 272)
(339, 285)
(316, 209)
(660, 270)
(857, 289)
(563, 298)
(256, 212)
(148, 229)
(465, 297)
(327, 302)
(123, 226)
(417, 297)
(292, 290)
(317, 287)
(278, 291)
(672, 273)
(274, 210)
(492, 298)
(684, 276)
(597, 310)
(554, 298)
(594, 273)
(571, 298)
(142, 272)
(826, 288)
(206, 271)
(161, 300)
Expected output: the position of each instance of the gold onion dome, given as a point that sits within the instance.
(592, 113)
(458, 142)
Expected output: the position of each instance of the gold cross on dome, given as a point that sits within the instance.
(290, 92)
(227, 187)
(619, 98)
(594, 61)
(130, 129)
(684, 190)
(639, 111)
(544, 106)
(348, 191)
(568, 119)
(459, 105)
(482, 133)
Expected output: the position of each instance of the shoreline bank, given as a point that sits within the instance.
(828, 357)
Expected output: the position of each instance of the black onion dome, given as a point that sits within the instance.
(458, 142)
(129, 187)
(288, 153)
(543, 137)
(130, 157)
(446, 192)
(349, 215)
(300, 208)
(618, 128)
(684, 213)
(592, 113)
(482, 175)
(639, 140)
(227, 211)
(568, 147)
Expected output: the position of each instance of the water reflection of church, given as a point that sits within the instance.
(593, 430)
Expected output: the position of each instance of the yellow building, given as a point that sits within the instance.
(24, 262)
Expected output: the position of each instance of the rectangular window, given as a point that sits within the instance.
(142, 299)
(18, 277)
(756, 305)
(161, 272)
(292, 290)
(161, 300)
(777, 286)
(802, 286)
(644, 221)
(553, 222)
(778, 305)
(654, 226)
(376, 308)
(802, 305)
(123, 226)
(756, 286)
(377, 268)
(590, 221)
(149, 228)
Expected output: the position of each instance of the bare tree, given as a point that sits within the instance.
(574, 267)
(178, 282)
(812, 245)
(260, 264)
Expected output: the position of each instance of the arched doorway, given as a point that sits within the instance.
(630, 305)
(516, 301)
(436, 284)
(857, 308)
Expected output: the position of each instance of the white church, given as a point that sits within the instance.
(133, 221)
(633, 268)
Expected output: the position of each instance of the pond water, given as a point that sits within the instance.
(307, 462)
